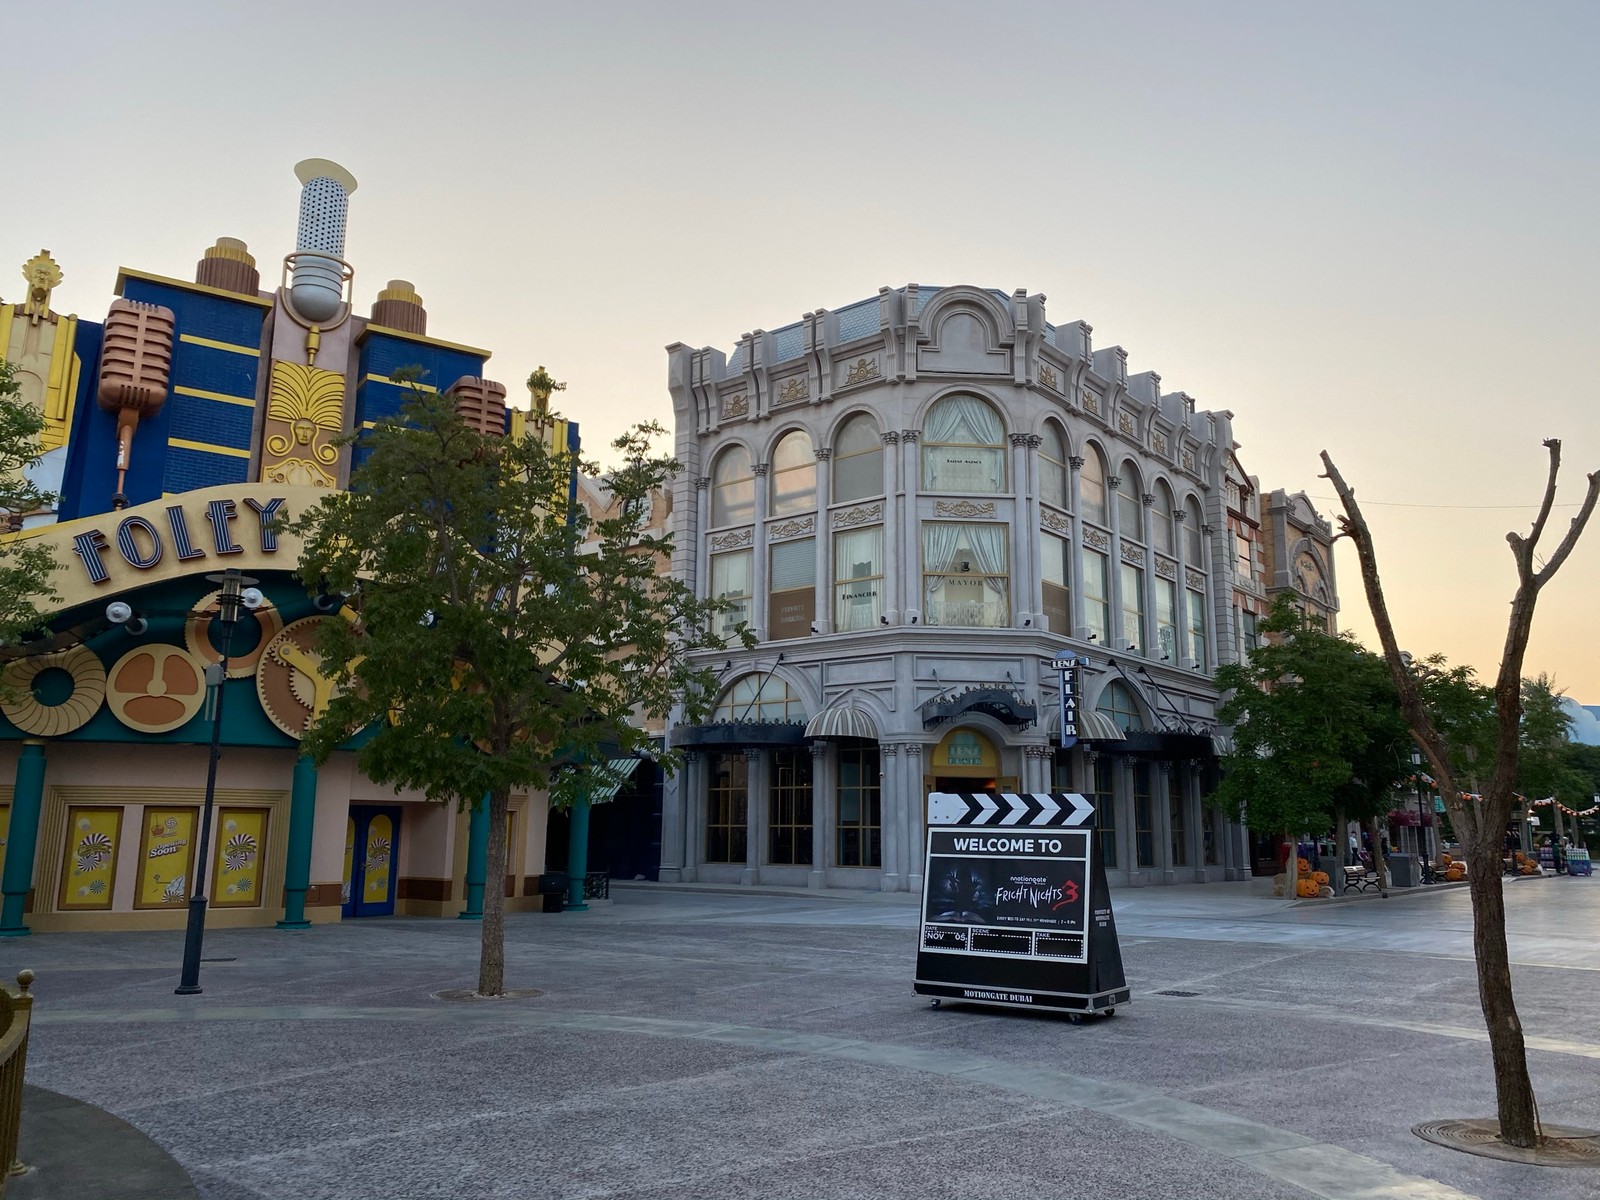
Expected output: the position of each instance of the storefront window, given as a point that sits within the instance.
(963, 447)
(1097, 596)
(1132, 609)
(732, 580)
(1054, 554)
(727, 809)
(794, 475)
(1177, 815)
(857, 460)
(791, 589)
(733, 488)
(1105, 809)
(860, 808)
(789, 815)
(1144, 838)
(965, 576)
(858, 579)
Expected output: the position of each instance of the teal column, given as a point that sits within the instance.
(578, 853)
(27, 798)
(477, 859)
(302, 821)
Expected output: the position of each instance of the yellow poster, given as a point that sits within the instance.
(380, 860)
(241, 839)
(89, 862)
(166, 858)
(5, 829)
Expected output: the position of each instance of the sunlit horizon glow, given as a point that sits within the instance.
(1365, 229)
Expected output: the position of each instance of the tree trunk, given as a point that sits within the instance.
(492, 954)
(1518, 1113)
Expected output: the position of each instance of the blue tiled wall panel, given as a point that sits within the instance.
(210, 370)
(187, 470)
(210, 421)
(83, 460)
(234, 321)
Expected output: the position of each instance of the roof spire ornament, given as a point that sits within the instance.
(43, 276)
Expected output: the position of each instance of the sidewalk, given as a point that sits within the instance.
(75, 1151)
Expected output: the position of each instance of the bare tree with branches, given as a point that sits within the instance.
(1481, 820)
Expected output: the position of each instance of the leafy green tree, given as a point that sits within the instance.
(1317, 729)
(25, 568)
(498, 639)
(1480, 816)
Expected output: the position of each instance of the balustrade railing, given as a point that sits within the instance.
(16, 1009)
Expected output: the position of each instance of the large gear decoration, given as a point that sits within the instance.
(156, 688)
(197, 634)
(51, 720)
(290, 680)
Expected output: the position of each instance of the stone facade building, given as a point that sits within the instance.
(916, 503)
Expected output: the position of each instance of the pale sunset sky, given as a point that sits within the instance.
(1367, 227)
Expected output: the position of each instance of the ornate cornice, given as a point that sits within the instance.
(859, 515)
(702, 482)
(1149, 498)
(1076, 462)
(788, 529)
(1019, 440)
(964, 508)
(733, 540)
(1113, 482)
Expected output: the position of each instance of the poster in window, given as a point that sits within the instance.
(89, 864)
(241, 838)
(5, 829)
(166, 857)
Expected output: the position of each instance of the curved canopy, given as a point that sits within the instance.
(840, 723)
(1095, 726)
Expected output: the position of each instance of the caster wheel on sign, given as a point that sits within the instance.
(1075, 1019)
(1111, 1012)
(933, 1004)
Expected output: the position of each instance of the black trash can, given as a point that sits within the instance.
(553, 890)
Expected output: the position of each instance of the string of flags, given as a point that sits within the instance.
(1545, 803)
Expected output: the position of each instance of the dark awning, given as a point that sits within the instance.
(996, 702)
(842, 723)
(739, 735)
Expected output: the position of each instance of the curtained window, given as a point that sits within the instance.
(963, 447)
(1097, 595)
(791, 588)
(857, 578)
(857, 460)
(1054, 485)
(1092, 488)
(964, 574)
(732, 579)
(794, 475)
(733, 488)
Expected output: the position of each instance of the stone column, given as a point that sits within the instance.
(910, 567)
(891, 815)
(758, 788)
(692, 796)
(302, 819)
(894, 601)
(699, 550)
(477, 859)
(824, 544)
(1161, 785)
(824, 812)
(1039, 760)
(1127, 817)
(1075, 551)
(916, 842)
(1196, 822)
(22, 838)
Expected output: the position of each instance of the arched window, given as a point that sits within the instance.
(1092, 487)
(759, 698)
(733, 488)
(963, 447)
(857, 460)
(1161, 521)
(1054, 487)
(794, 475)
(1117, 703)
(1193, 535)
(1130, 503)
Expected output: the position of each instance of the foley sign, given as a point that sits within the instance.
(190, 533)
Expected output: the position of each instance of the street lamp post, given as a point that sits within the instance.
(1424, 867)
(238, 592)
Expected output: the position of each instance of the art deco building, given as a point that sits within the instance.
(917, 503)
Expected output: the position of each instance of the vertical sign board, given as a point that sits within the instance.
(1067, 663)
(1015, 907)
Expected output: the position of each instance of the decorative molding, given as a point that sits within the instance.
(789, 529)
(1178, 514)
(1047, 376)
(737, 407)
(1188, 460)
(825, 454)
(1097, 538)
(1158, 441)
(1039, 751)
(1053, 520)
(892, 749)
(964, 508)
(912, 749)
(759, 470)
(1149, 498)
(1019, 440)
(1208, 530)
(794, 389)
(910, 435)
(1113, 482)
(1194, 579)
(859, 515)
(1166, 568)
(863, 370)
(702, 482)
(1034, 441)
(1076, 462)
(1133, 554)
(1091, 401)
(891, 438)
(733, 540)
(1126, 424)
(305, 412)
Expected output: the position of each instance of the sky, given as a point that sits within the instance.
(1367, 228)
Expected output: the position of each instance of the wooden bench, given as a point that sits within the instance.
(1360, 879)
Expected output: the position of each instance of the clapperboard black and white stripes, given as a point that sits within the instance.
(1009, 808)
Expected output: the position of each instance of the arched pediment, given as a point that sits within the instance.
(966, 331)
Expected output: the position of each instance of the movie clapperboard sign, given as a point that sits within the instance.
(1015, 907)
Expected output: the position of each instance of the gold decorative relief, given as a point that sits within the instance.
(1158, 442)
(1188, 460)
(863, 370)
(156, 688)
(305, 412)
(29, 714)
(737, 407)
(1091, 401)
(1047, 376)
(795, 389)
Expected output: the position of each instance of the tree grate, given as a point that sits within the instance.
(1562, 1147)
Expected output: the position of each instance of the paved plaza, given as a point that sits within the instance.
(699, 1044)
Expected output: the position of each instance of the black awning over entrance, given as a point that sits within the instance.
(997, 702)
(739, 735)
(1143, 744)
